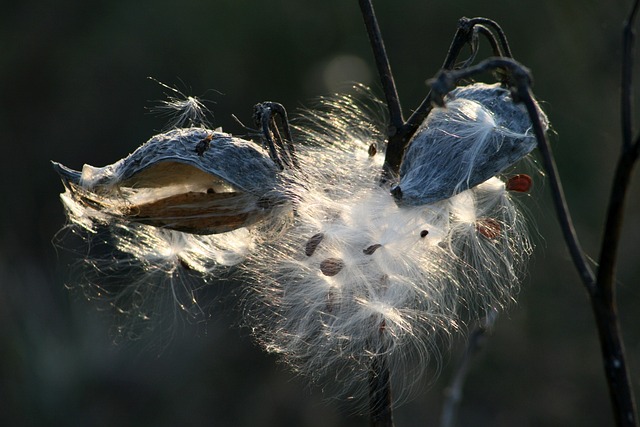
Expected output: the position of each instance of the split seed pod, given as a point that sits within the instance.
(479, 134)
(193, 180)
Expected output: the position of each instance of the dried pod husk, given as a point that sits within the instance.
(193, 180)
(480, 133)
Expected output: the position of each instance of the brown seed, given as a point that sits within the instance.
(203, 145)
(197, 212)
(424, 233)
(372, 150)
(519, 183)
(489, 228)
(331, 266)
(371, 249)
(313, 243)
(383, 326)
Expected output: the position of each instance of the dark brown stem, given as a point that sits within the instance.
(602, 293)
(382, 63)
(446, 81)
(488, 23)
(272, 119)
(601, 288)
(557, 193)
(614, 361)
(613, 225)
(397, 133)
(603, 302)
(462, 37)
(603, 299)
(380, 402)
(627, 79)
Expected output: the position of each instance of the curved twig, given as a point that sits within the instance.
(601, 287)
(498, 29)
(463, 36)
(627, 79)
(453, 393)
(445, 81)
(382, 63)
(272, 119)
(603, 300)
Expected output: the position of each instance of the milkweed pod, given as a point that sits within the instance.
(479, 134)
(193, 180)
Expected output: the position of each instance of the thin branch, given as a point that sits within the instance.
(604, 300)
(397, 135)
(380, 402)
(382, 63)
(453, 393)
(557, 193)
(614, 361)
(462, 37)
(270, 117)
(624, 169)
(613, 225)
(626, 93)
(446, 81)
(501, 35)
(601, 291)
(486, 32)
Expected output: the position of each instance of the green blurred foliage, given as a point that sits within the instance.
(74, 88)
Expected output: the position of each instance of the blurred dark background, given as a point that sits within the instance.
(74, 88)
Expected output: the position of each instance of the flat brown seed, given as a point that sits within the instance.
(371, 249)
(313, 243)
(372, 150)
(331, 266)
(489, 228)
(197, 212)
(383, 326)
(519, 183)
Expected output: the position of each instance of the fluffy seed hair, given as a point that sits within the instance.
(358, 276)
(154, 228)
(339, 275)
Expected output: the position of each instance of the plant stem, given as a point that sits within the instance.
(453, 393)
(382, 63)
(615, 366)
(600, 288)
(380, 408)
(397, 134)
(603, 297)
(626, 93)
(446, 81)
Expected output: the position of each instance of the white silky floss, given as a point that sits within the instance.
(362, 274)
(479, 134)
(337, 270)
(170, 217)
